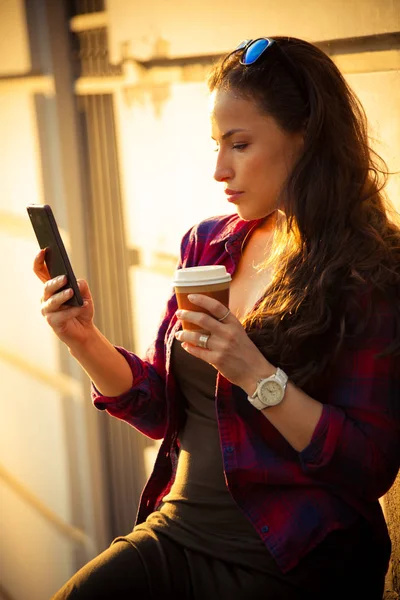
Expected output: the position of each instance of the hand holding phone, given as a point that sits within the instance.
(56, 257)
(74, 325)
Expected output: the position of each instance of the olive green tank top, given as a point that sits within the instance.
(199, 511)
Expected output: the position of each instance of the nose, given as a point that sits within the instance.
(223, 171)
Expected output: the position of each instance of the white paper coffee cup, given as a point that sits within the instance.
(211, 280)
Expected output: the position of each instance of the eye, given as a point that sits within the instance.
(239, 146)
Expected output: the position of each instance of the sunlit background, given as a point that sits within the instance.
(104, 116)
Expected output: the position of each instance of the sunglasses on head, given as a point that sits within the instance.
(252, 50)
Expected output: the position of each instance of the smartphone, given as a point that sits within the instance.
(56, 257)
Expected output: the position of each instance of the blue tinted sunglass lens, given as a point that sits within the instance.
(254, 51)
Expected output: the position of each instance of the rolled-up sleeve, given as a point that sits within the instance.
(356, 443)
(143, 406)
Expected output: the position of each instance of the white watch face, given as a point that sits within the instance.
(271, 393)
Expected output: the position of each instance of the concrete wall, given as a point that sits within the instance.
(14, 41)
(46, 524)
(175, 28)
(32, 429)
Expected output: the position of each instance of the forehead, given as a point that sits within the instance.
(228, 109)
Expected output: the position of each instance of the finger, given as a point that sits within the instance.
(55, 302)
(216, 308)
(52, 286)
(204, 321)
(189, 342)
(192, 337)
(201, 353)
(40, 268)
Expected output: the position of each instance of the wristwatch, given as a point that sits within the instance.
(270, 391)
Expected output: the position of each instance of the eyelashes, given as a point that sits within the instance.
(238, 147)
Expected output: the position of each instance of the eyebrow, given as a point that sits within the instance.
(230, 133)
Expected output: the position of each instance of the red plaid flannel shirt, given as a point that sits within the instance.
(293, 499)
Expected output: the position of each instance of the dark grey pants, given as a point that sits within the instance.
(149, 566)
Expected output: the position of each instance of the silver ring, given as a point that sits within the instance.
(203, 339)
(224, 317)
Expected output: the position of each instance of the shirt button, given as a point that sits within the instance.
(264, 529)
(229, 449)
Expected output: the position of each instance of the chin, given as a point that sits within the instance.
(249, 215)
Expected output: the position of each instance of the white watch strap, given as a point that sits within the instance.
(281, 377)
(256, 402)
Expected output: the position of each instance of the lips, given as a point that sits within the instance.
(230, 192)
(233, 195)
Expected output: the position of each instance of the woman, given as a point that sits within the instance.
(281, 428)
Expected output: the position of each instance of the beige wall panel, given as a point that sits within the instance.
(167, 164)
(174, 28)
(32, 439)
(14, 45)
(35, 559)
(151, 291)
(21, 181)
(24, 331)
(379, 93)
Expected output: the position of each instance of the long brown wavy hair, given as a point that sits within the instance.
(337, 248)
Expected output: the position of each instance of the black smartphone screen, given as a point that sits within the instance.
(56, 257)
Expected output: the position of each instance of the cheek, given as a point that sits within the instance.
(268, 180)
(267, 160)
(267, 171)
(259, 167)
(273, 167)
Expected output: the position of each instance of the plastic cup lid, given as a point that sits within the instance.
(204, 275)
